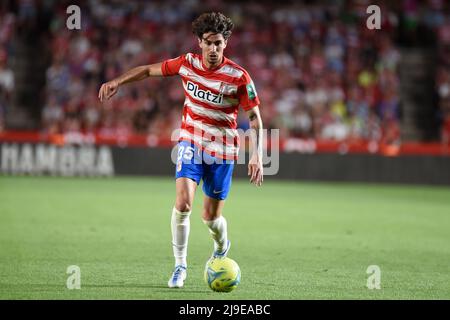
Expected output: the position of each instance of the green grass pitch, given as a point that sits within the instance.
(291, 240)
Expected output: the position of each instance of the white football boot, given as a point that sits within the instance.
(178, 277)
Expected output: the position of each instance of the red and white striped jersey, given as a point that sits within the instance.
(212, 100)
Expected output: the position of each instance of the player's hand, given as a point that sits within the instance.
(108, 89)
(255, 171)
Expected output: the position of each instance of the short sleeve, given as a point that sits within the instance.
(248, 98)
(171, 67)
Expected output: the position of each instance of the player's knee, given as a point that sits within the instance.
(183, 206)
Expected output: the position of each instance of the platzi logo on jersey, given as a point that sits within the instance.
(202, 94)
(251, 91)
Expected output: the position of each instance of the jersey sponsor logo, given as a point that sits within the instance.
(203, 95)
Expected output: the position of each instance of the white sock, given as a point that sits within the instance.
(218, 231)
(180, 233)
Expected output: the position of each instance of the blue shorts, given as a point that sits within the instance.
(196, 164)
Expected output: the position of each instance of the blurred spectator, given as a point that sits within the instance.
(6, 87)
(6, 75)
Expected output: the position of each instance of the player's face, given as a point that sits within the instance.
(212, 46)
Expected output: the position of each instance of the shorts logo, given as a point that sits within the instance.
(216, 192)
(203, 95)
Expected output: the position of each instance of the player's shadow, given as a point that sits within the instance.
(143, 286)
(158, 287)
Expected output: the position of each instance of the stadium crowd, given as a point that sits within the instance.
(319, 71)
(439, 20)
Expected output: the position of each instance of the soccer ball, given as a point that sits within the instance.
(222, 274)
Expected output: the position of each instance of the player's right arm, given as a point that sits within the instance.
(110, 88)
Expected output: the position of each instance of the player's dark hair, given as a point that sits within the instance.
(214, 22)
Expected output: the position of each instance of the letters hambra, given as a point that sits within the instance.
(196, 310)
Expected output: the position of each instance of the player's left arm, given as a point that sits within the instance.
(255, 167)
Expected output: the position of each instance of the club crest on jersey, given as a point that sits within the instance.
(202, 94)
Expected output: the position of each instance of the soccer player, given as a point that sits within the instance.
(215, 87)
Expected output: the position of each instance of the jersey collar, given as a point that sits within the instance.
(224, 61)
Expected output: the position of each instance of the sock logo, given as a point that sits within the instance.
(202, 94)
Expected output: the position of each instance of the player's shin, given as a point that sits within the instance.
(180, 233)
